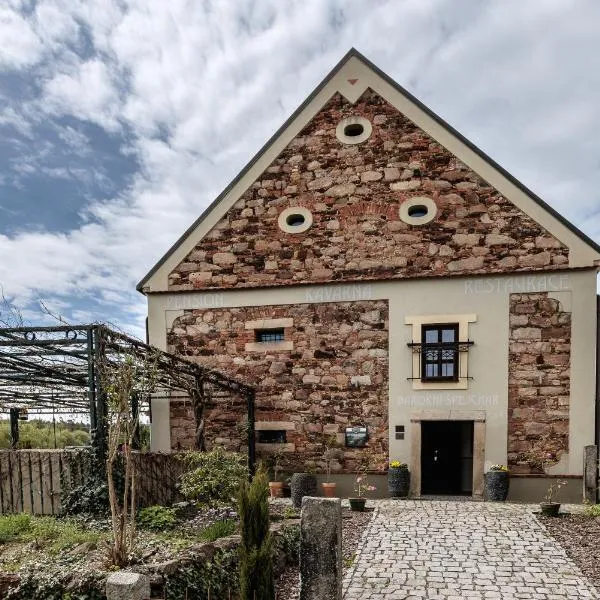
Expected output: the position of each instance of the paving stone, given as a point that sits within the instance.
(450, 550)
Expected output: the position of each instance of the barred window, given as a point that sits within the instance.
(269, 335)
(440, 352)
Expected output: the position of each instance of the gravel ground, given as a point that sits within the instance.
(353, 524)
(579, 535)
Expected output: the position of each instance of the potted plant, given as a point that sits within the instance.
(545, 453)
(276, 486)
(398, 479)
(496, 482)
(361, 487)
(550, 507)
(330, 454)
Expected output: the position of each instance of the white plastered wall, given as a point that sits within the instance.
(485, 297)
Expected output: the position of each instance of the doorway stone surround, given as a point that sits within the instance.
(478, 418)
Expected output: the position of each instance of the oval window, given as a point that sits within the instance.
(295, 220)
(353, 129)
(418, 210)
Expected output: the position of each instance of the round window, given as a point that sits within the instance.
(295, 219)
(418, 210)
(353, 130)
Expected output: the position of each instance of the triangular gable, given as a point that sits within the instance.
(351, 78)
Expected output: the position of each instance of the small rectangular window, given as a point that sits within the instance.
(272, 436)
(439, 360)
(269, 335)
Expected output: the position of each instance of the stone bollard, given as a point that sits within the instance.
(127, 586)
(590, 474)
(321, 549)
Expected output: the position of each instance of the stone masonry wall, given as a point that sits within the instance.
(335, 376)
(354, 192)
(538, 392)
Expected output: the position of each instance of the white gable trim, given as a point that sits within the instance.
(582, 253)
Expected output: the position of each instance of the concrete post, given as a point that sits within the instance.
(321, 549)
(590, 474)
(127, 586)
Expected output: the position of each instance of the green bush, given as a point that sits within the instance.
(12, 527)
(214, 477)
(157, 518)
(219, 529)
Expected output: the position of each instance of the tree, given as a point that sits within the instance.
(121, 381)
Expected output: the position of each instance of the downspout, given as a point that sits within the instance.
(597, 436)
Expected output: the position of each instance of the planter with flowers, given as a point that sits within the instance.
(496, 482)
(361, 487)
(398, 479)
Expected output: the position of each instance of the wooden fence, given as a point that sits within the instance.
(33, 481)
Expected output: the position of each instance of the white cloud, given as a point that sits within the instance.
(197, 88)
(87, 92)
(19, 45)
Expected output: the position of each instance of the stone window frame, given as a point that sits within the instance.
(295, 210)
(409, 203)
(271, 448)
(463, 321)
(282, 323)
(353, 139)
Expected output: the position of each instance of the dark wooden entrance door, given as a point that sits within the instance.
(447, 457)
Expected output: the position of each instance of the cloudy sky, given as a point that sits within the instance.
(121, 120)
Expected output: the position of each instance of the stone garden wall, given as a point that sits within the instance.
(335, 375)
(354, 192)
(538, 393)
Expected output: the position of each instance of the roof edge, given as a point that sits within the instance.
(353, 52)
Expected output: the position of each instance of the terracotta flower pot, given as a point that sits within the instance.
(329, 489)
(276, 489)
(550, 509)
(358, 504)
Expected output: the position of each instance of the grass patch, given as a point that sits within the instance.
(218, 530)
(13, 527)
(48, 533)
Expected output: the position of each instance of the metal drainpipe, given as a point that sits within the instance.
(597, 439)
(597, 435)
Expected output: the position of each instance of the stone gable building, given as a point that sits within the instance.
(372, 272)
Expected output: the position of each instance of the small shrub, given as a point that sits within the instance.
(218, 530)
(593, 510)
(256, 558)
(214, 477)
(12, 527)
(157, 518)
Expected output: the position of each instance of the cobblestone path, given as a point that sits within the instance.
(453, 550)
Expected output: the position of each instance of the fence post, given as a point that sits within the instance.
(127, 586)
(321, 549)
(590, 474)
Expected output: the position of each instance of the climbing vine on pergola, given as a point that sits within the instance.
(58, 369)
